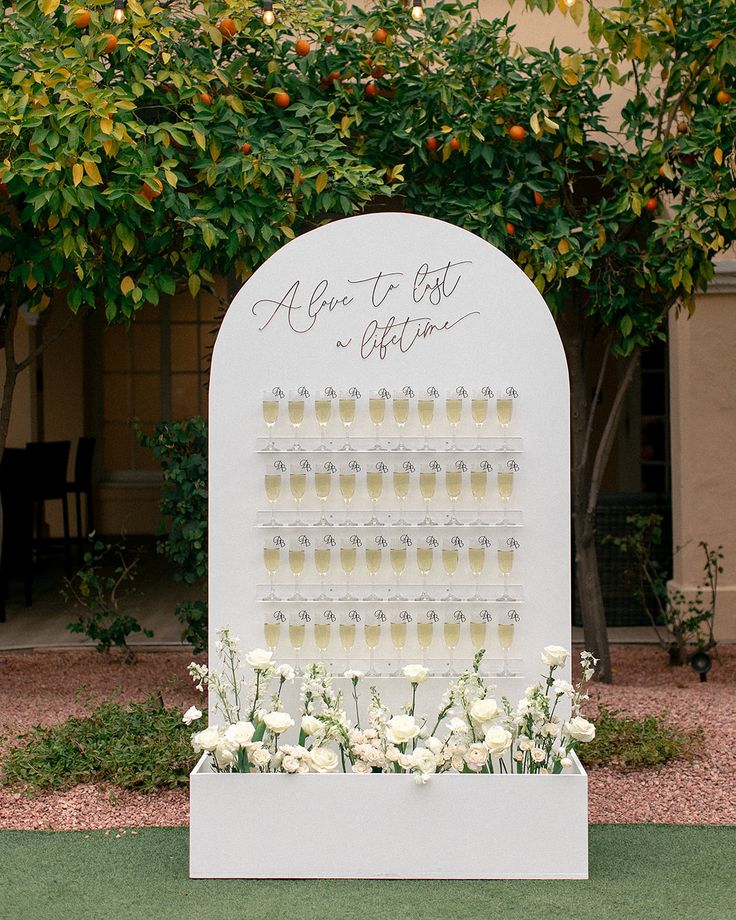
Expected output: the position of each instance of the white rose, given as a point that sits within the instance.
(497, 739)
(260, 757)
(477, 756)
(361, 767)
(580, 729)
(401, 729)
(518, 756)
(259, 659)
(538, 755)
(239, 734)
(278, 722)
(224, 755)
(392, 754)
(525, 744)
(484, 710)
(554, 656)
(191, 715)
(457, 762)
(290, 764)
(324, 759)
(207, 739)
(458, 727)
(416, 673)
(311, 725)
(566, 762)
(424, 760)
(285, 672)
(551, 729)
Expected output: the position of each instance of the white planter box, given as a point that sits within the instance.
(388, 826)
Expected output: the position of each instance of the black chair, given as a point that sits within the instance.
(47, 478)
(82, 485)
(17, 524)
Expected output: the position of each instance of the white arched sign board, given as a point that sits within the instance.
(392, 301)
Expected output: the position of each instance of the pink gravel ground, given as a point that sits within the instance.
(40, 688)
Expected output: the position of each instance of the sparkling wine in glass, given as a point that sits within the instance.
(478, 628)
(401, 487)
(425, 632)
(454, 411)
(400, 405)
(272, 629)
(373, 560)
(272, 561)
(323, 487)
(322, 560)
(505, 485)
(377, 413)
(346, 404)
(425, 411)
(427, 488)
(477, 561)
(454, 486)
(397, 557)
(479, 486)
(372, 636)
(399, 629)
(297, 555)
(296, 412)
(347, 488)
(272, 484)
(505, 555)
(451, 634)
(298, 485)
(297, 633)
(504, 411)
(349, 623)
(271, 400)
(450, 562)
(374, 487)
(506, 640)
(479, 412)
(425, 559)
(323, 413)
(348, 558)
(323, 632)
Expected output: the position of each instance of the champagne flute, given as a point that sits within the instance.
(450, 561)
(297, 631)
(478, 629)
(398, 628)
(346, 405)
(479, 412)
(372, 636)
(347, 488)
(348, 624)
(401, 413)
(271, 412)
(348, 558)
(505, 485)
(298, 486)
(377, 413)
(272, 629)
(454, 485)
(273, 491)
(425, 558)
(323, 633)
(374, 485)
(322, 560)
(425, 411)
(397, 557)
(323, 412)
(297, 553)
(296, 413)
(322, 487)
(451, 634)
(272, 561)
(454, 411)
(476, 561)
(373, 559)
(505, 555)
(479, 485)
(506, 640)
(401, 487)
(504, 410)
(427, 486)
(425, 630)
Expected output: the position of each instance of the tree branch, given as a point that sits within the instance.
(594, 403)
(22, 365)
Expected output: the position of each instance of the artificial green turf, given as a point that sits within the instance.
(656, 872)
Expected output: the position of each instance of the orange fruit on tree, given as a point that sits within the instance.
(206, 98)
(651, 204)
(431, 144)
(723, 97)
(517, 133)
(227, 27)
(302, 47)
(510, 228)
(538, 199)
(111, 43)
(282, 100)
(329, 38)
(151, 189)
(81, 19)
(371, 90)
(378, 71)
(454, 143)
(380, 36)
(682, 127)
(245, 148)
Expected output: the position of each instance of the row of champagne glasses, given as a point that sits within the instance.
(375, 476)
(401, 401)
(352, 628)
(374, 553)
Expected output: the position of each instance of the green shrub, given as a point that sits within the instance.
(629, 743)
(143, 746)
(181, 449)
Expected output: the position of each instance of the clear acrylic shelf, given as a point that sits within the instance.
(391, 668)
(362, 517)
(410, 594)
(410, 445)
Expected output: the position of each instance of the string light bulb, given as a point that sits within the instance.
(268, 15)
(119, 14)
(570, 3)
(417, 10)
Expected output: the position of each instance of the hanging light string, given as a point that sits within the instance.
(268, 14)
(119, 14)
(417, 10)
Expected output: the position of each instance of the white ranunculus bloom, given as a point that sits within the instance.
(476, 756)
(458, 726)
(361, 767)
(580, 729)
(484, 710)
(401, 729)
(518, 756)
(311, 725)
(416, 673)
(392, 754)
(324, 760)
(277, 722)
(191, 715)
(207, 739)
(424, 760)
(497, 739)
(525, 743)
(538, 755)
(259, 659)
(552, 729)
(285, 672)
(239, 734)
(554, 656)
(260, 757)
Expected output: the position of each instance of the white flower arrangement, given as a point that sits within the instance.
(471, 733)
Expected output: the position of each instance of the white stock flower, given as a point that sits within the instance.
(563, 688)
(484, 710)
(285, 672)
(554, 656)
(424, 760)
(239, 734)
(324, 759)
(580, 729)
(497, 739)
(207, 739)
(311, 725)
(416, 673)
(401, 729)
(458, 726)
(277, 722)
(191, 715)
(259, 659)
